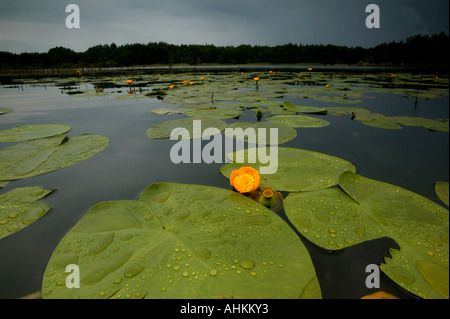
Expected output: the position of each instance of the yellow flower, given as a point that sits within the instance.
(191, 83)
(380, 295)
(171, 87)
(202, 78)
(245, 179)
(309, 69)
(327, 86)
(129, 81)
(185, 82)
(256, 78)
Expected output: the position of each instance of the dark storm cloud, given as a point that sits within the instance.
(40, 25)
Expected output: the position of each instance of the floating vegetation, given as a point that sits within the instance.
(441, 189)
(5, 110)
(284, 133)
(31, 132)
(166, 111)
(48, 154)
(182, 241)
(298, 170)
(20, 208)
(185, 128)
(299, 121)
(363, 209)
(193, 241)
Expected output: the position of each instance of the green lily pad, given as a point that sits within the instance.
(369, 209)
(441, 189)
(297, 171)
(284, 133)
(31, 132)
(299, 121)
(5, 110)
(214, 113)
(185, 128)
(20, 208)
(382, 123)
(3, 183)
(166, 111)
(335, 99)
(342, 110)
(131, 96)
(48, 154)
(288, 106)
(182, 241)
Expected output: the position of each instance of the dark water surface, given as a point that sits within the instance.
(413, 158)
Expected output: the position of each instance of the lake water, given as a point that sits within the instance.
(413, 158)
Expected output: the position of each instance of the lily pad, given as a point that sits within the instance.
(3, 183)
(297, 171)
(214, 113)
(288, 106)
(299, 121)
(284, 133)
(441, 189)
(185, 128)
(182, 241)
(47, 154)
(166, 111)
(31, 132)
(5, 110)
(369, 209)
(20, 208)
(382, 123)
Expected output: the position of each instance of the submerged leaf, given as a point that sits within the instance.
(297, 170)
(182, 241)
(369, 209)
(20, 207)
(47, 154)
(31, 132)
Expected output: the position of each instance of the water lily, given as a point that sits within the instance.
(269, 197)
(171, 87)
(380, 295)
(256, 79)
(129, 84)
(185, 82)
(245, 180)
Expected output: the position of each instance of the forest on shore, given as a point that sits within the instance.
(418, 49)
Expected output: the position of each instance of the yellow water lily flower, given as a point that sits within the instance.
(245, 180)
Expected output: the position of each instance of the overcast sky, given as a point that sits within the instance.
(37, 26)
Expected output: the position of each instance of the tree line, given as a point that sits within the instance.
(422, 49)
